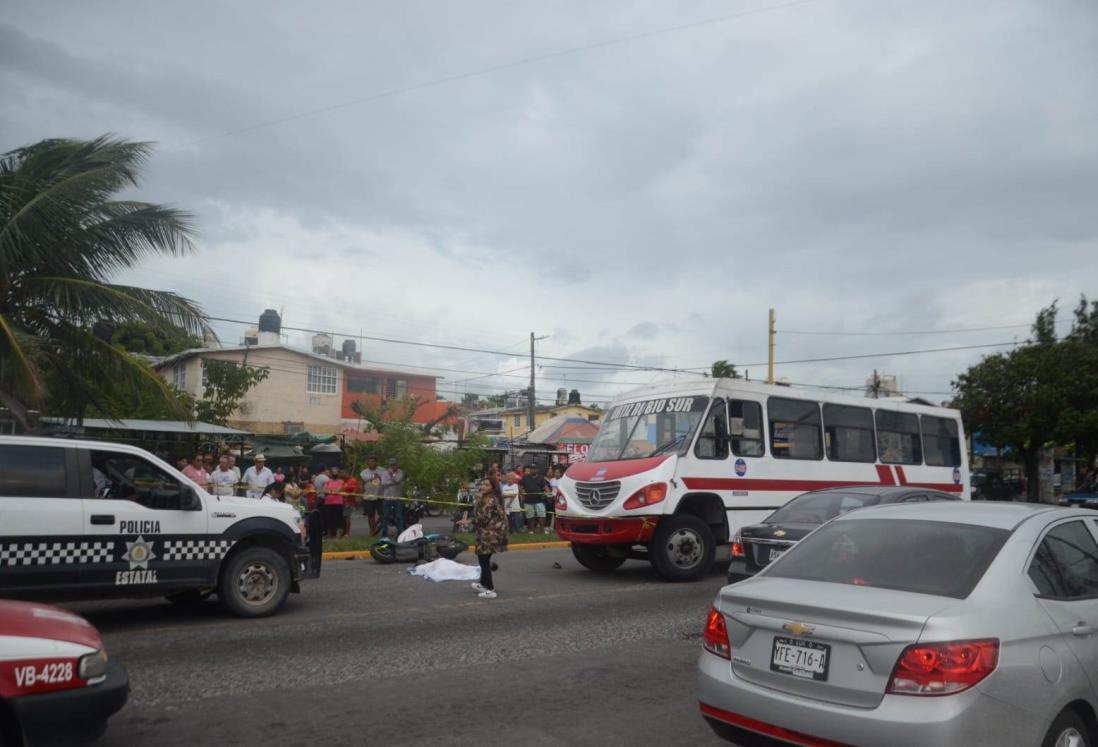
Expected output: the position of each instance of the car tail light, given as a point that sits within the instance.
(562, 504)
(647, 496)
(715, 639)
(737, 545)
(943, 668)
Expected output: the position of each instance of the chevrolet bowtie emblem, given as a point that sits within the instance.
(799, 628)
(779, 533)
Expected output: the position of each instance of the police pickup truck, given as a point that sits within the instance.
(87, 519)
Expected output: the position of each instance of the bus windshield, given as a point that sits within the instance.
(647, 428)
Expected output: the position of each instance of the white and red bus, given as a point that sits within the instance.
(677, 468)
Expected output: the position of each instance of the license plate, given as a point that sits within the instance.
(775, 553)
(806, 659)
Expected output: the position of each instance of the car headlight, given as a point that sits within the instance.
(93, 665)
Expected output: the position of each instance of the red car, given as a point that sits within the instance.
(56, 682)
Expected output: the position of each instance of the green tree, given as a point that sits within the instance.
(64, 234)
(1043, 393)
(226, 385)
(149, 339)
(433, 468)
(722, 369)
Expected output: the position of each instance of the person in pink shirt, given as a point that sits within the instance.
(333, 504)
(196, 472)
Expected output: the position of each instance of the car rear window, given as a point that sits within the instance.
(817, 508)
(925, 557)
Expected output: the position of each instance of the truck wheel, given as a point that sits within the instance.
(595, 557)
(254, 582)
(682, 548)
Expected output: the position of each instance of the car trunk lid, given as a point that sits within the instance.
(832, 642)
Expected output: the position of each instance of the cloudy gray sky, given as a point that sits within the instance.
(465, 173)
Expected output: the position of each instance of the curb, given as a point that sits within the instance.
(349, 554)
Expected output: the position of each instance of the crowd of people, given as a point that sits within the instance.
(504, 502)
(335, 492)
(528, 499)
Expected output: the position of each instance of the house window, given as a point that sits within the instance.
(363, 385)
(396, 389)
(291, 427)
(518, 421)
(179, 376)
(205, 376)
(321, 380)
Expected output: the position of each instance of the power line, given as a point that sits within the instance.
(911, 332)
(522, 62)
(871, 355)
(459, 348)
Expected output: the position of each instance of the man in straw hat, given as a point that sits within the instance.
(257, 477)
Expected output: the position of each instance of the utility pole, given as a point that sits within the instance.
(876, 385)
(770, 346)
(532, 404)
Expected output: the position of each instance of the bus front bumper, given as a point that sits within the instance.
(632, 530)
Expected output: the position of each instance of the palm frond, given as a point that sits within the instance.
(84, 301)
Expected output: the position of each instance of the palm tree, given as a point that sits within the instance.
(64, 233)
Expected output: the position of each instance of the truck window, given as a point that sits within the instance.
(126, 477)
(32, 472)
(746, 428)
(794, 429)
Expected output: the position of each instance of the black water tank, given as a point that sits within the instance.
(270, 321)
(574, 397)
(349, 348)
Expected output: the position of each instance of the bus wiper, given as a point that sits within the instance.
(669, 444)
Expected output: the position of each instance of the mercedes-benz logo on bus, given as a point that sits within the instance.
(595, 496)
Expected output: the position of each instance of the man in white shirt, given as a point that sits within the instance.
(257, 477)
(223, 478)
(235, 469)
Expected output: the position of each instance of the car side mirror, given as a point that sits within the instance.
(189, 500)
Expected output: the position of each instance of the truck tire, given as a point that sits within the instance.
(595, 558)
(682, 548)
(254, 582)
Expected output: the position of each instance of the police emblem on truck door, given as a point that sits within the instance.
(138, 554)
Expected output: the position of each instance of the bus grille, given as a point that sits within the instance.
(597, 494)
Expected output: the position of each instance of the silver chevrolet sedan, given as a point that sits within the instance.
(915, 624)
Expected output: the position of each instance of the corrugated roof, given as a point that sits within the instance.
(160, 426)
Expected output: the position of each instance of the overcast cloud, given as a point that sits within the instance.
(860, 165)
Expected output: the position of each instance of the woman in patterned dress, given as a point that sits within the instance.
(491, 533)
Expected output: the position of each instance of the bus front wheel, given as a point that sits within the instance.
(682, 548)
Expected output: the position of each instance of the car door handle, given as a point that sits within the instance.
(1082, 629)
(102, 519)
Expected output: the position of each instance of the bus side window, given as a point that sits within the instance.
(848, 433)
(941, 444)
(898, 438)
(713, 439)
(795, 431)
(746, 428)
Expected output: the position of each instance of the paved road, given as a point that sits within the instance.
(371, 654)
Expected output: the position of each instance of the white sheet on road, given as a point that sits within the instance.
(446, 570)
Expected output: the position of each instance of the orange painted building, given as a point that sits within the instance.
(374, 385)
